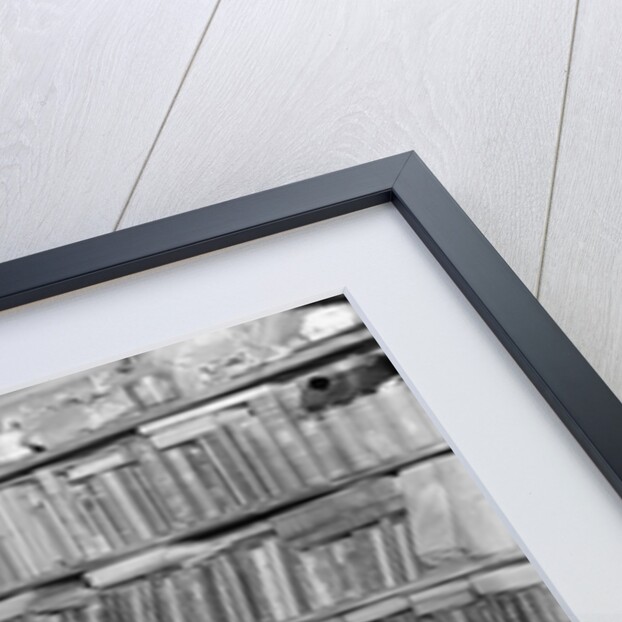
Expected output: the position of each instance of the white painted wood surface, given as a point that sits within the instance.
(279, 91)
(84, 87)
(284, 90)
(582, 275)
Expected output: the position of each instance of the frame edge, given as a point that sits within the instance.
(570, 385)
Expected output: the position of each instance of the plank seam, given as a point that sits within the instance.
(166, 116)
(547, 217)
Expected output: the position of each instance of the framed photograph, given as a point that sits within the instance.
(332, 401)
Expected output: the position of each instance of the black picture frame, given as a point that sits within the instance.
(573, 389)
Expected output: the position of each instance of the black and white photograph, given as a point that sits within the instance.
(275, 471)
(310, 311)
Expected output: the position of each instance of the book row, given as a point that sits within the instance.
(373, 537)
(513, 593)
(57, 414)
(212, 592)
(199, 468)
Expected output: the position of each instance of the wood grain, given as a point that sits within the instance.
(582, 275)
(84, 87)
(282, 91)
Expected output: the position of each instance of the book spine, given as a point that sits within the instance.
(42, 546)
(163, 483)
(156, 523)
(258, 596)
(278, 563)
(144, 606)
(336, 584)
(113, 522)
(405, 427)
(161, 514)
(38, 526)
(169, 601)
(232, 467)
(341, 551)
(70, 549)
(302, 578)
(91, 507)
(319, 438)
(216, 593)
(394, 556)
(236, 424)
(196, 603)
(383, 557)
(289, 439)
(9, 573)
(113, 484)
(315, 580)
(133, 609)
(354, 564)
(270, 584)
(8, 576)
(211, 479)
(243, 466)
(64, 503)
(97, 539)
(12, 556)
(369, 567)
(114, 605)
(185, 473)
(239, 595)
(13, 526)
(405, 548)
(126, 595)
(226, 597)
(526, 606)
(347, 439)
(281, 471)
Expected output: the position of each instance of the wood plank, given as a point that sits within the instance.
(224, 525)
(282, 91)
(582, 272)
(84, 87)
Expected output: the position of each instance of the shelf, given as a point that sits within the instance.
(348, 341)
(222, 526)
(426, 583)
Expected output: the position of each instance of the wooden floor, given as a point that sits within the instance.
(113, 114)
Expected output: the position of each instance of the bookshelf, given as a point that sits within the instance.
(310, 489)
(350, 341)
(224, 526)
(448, 576)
